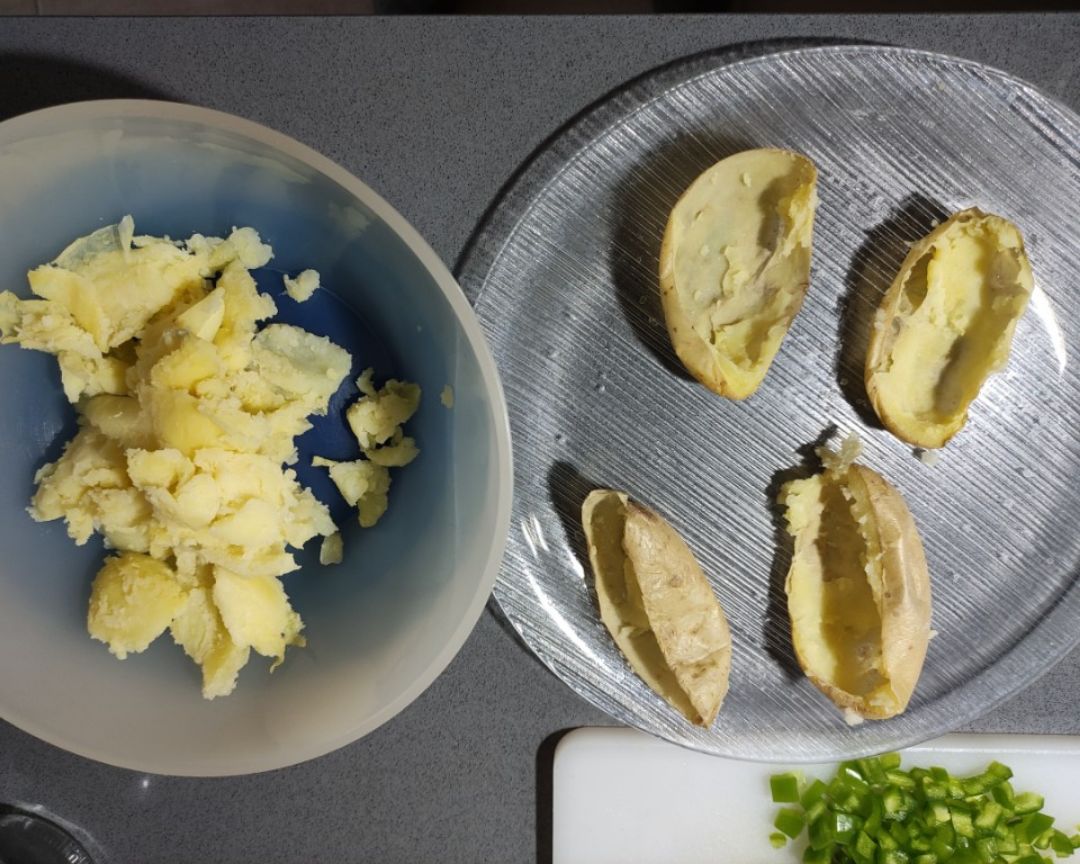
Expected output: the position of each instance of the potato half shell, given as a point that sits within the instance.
(945, 325)
(657, 604)
(858, 589)
(735, 265)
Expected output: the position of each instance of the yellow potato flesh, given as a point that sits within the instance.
(858, 588)
(188, 415)
(133, 600)
(945, 325)
(834, 613)
(735, 265)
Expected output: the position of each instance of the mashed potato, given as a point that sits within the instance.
(376, 419)
(188, 412)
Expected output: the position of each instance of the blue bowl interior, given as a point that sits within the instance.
(378, 624)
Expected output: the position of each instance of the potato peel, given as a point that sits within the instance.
(658, 605)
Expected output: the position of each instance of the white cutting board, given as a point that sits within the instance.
(620, 796)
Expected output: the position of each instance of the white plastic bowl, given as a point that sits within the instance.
(382, 625)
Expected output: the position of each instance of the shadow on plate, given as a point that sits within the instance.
(873, 268)
(46, 81)
(568, 489)
(777, 630)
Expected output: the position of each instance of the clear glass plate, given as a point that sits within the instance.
(563, 276)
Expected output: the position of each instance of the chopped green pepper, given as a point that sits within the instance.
(872, 812)
(790, 821)
(785, 788)
(1027, 802)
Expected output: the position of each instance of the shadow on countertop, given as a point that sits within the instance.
(545, 795)
(34, 81)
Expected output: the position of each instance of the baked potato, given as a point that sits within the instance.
(657, 604)
(858, 590)
(945, 325)
(735, 265)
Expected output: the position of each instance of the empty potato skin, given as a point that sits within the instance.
(667, 622)
(1005, 292)
(903, 597)
(735, 265)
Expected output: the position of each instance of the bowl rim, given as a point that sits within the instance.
(120, 109)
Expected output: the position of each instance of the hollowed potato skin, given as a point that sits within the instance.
(902, 599)
(945, 325)
(657, 604)
(735, 266)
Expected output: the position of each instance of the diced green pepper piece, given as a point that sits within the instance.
(987, 818)
(1061, 844)
(872, 771)
(812, 794)
(900, 834)
(820, 833)
(961, 822)
(926, 859)
(900, 780)
(935, 791)
(819, 856)
(778, 840)
(1033, 826)
(893, 804)
(865, 846)
(816, 810)
(938, 814)
(986, 849)
(886, 842)
(1003, 794)
(942, 848)
(872, 826)
(1007, 844)
(790, 821)
(844, 826)
(892, 856)
(1027, 802)
(785, 788)
(940, 775)
(918, 842)
(998, 773)
(889, 761)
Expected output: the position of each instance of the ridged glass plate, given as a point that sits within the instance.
(563, 275)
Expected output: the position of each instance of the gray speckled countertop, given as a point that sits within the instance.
(435, 114)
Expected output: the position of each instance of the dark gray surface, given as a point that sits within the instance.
(435, 115)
